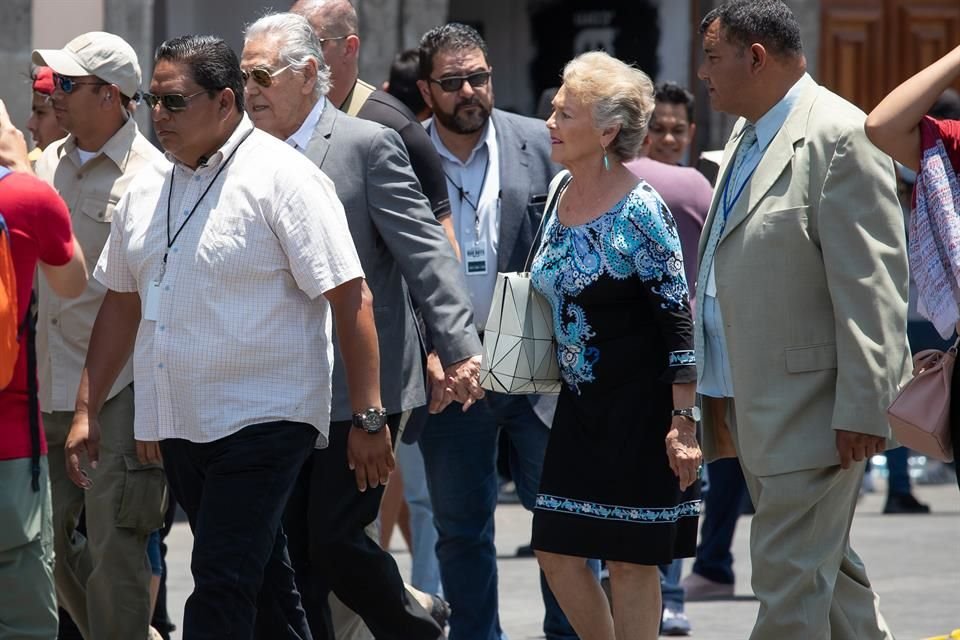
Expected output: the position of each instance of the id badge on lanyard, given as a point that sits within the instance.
(151, 308)
(475, 259)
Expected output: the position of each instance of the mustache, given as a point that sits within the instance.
(469, 102)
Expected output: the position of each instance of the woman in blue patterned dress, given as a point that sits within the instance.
(619, 477)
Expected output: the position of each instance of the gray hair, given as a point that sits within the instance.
(297, 44)
(617, 94)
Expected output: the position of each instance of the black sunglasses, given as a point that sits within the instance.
(261, 75)
(453, 83)
(67, 85)
(171, 101)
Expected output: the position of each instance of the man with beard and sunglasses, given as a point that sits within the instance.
(102, 578)
(497, 166)
(402, 249)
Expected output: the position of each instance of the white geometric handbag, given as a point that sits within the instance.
(519, 346)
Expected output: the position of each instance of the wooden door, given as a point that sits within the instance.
(868, 47)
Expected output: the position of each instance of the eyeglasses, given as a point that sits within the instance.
(323, 40)
(171, 101)
(67, 85)
(262, 76)
(453, 83)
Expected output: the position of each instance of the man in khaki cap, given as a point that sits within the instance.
(102, 579)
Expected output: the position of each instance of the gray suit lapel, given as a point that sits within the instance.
(319, 143)
(514, 186)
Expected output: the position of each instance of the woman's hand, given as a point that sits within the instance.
(683, 451)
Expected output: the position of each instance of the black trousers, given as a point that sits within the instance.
(325, 521)
(233, 491)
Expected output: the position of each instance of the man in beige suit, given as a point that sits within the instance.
(801, 305)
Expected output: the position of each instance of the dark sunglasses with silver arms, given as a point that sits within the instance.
(171, 101)
(454, 83)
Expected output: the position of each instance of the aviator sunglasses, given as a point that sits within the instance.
(453, 83)
(67, 85)
(171, 101)
(262, 76)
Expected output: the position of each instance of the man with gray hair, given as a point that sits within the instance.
(102, 577)
(400, 246)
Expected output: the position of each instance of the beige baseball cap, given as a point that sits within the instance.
(99, 54)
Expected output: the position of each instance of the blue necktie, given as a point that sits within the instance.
(726, 203)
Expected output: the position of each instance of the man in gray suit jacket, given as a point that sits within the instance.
(403, 251)
(498, 168)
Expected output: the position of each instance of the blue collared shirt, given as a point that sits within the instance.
(717, 380)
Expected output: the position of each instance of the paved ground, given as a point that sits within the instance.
(913, 561)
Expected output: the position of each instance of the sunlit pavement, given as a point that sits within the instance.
(912, 560)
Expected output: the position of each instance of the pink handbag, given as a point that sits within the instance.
(920, 415)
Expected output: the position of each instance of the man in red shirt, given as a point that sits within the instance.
(39, 226)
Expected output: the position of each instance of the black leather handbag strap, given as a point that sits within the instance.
(551, 203)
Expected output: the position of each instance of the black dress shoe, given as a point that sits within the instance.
(904, 503)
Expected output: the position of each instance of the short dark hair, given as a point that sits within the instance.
(768, 22)
(673, 93)
(403, 80)
(452, 36)
(211, 61)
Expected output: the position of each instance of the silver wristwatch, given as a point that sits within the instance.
(690, 413)
(371, 420)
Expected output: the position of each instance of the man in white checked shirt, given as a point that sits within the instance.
(222, 268)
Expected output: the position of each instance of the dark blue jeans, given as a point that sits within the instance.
(459, 453)
(671, 593)
(234, 491)
(898, 472)
(722, 506)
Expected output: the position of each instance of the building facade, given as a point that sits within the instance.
(859, 48)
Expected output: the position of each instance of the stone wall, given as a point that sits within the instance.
(15, 48)
(390, 26)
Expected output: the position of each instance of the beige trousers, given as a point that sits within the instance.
(810, 582)
(103, 578)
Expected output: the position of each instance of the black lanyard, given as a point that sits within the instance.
(171, 241)
(463, 195)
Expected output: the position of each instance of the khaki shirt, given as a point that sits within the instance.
(91, 191)
(357, 96)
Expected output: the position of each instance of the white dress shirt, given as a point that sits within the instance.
(301, 137)
(241, 334)
(477, 227)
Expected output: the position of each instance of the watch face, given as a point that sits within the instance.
(695, 414)
(371, 420)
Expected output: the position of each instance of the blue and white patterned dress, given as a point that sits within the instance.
(624, 334)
